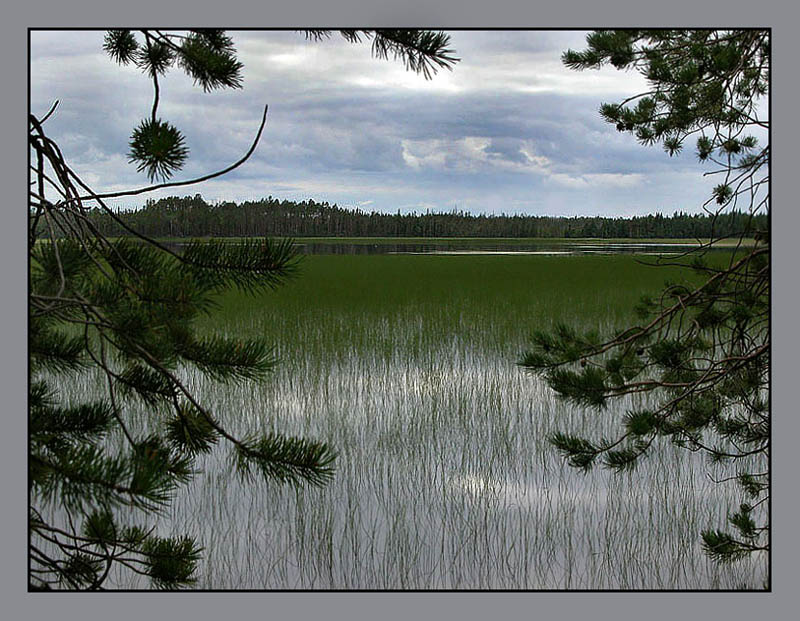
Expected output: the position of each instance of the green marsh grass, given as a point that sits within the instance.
(444, 480)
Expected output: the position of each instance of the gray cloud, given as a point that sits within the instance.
(509, 129)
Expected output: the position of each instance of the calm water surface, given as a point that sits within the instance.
(465, 247)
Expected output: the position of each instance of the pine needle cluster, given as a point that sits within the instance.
(702, 353)
(421, 51)
(208, 56)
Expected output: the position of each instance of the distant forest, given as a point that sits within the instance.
(193, 217)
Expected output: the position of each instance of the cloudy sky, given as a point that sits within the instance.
(508, 130)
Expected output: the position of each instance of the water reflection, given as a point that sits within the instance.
(481, 247)
(507, 493)
(467, 247)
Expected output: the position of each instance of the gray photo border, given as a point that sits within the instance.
(18, 604)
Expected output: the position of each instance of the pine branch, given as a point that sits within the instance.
(86, 422)
(225, 359)
(284, 459)
(209, 58)
(585, 388)
(422, 51)
(54, 352)
(251, 265)
(171, 562)
(150, 385)
(190, 431)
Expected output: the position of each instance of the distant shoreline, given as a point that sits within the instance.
(505, 241)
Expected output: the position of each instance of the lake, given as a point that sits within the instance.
(406, 364)
(366, 245)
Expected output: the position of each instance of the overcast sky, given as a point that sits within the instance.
(508, 130)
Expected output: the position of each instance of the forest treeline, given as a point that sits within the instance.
(191, 216)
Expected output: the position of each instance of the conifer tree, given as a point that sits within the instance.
(702, 350)
(128, 310)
